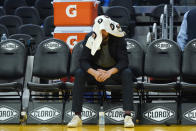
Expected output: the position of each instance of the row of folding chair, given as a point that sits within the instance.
(161, 62)
(44, 8)
(12, 25)
(28, 2)
(29, 15)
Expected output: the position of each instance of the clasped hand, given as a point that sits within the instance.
(102, 75)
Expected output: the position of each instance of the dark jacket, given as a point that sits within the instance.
(191, 27)
(117, 49)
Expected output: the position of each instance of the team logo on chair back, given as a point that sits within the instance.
(45, 113)
(87, 113)
(190, 115)
(9, 46)
(52, 45)
(116, 114)
(163, 45)
(130, 45)
(7, 113)
(159, 114)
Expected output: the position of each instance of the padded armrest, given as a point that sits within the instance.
(54, 87)
(10, 87)
(69, 85)
(160, 87)
(188, 87)
(89, 86)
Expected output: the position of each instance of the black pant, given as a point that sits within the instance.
(125, 77)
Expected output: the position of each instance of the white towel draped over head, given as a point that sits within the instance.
(103, 23)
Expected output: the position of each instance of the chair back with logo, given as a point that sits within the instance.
(13, 59)
(163, 59)
(136, 57)
(51, 59)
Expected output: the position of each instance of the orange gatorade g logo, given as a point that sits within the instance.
(74, 12)
(71, 11)
(72, 41)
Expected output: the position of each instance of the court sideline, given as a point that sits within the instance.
(96, 128)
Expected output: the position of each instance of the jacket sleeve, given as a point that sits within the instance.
(122, 55)
(86, 57)
(182, 35)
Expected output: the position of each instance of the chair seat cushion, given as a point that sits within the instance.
(54, 87)
(160, 87)
(10, 87)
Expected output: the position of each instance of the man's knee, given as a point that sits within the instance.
(126, 72)
(79, 73)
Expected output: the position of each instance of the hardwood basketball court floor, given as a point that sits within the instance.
(96, 128)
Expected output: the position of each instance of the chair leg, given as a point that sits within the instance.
(103, 93)
(179, 104)
(64, 99)
(141, 97)
(30, 97)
